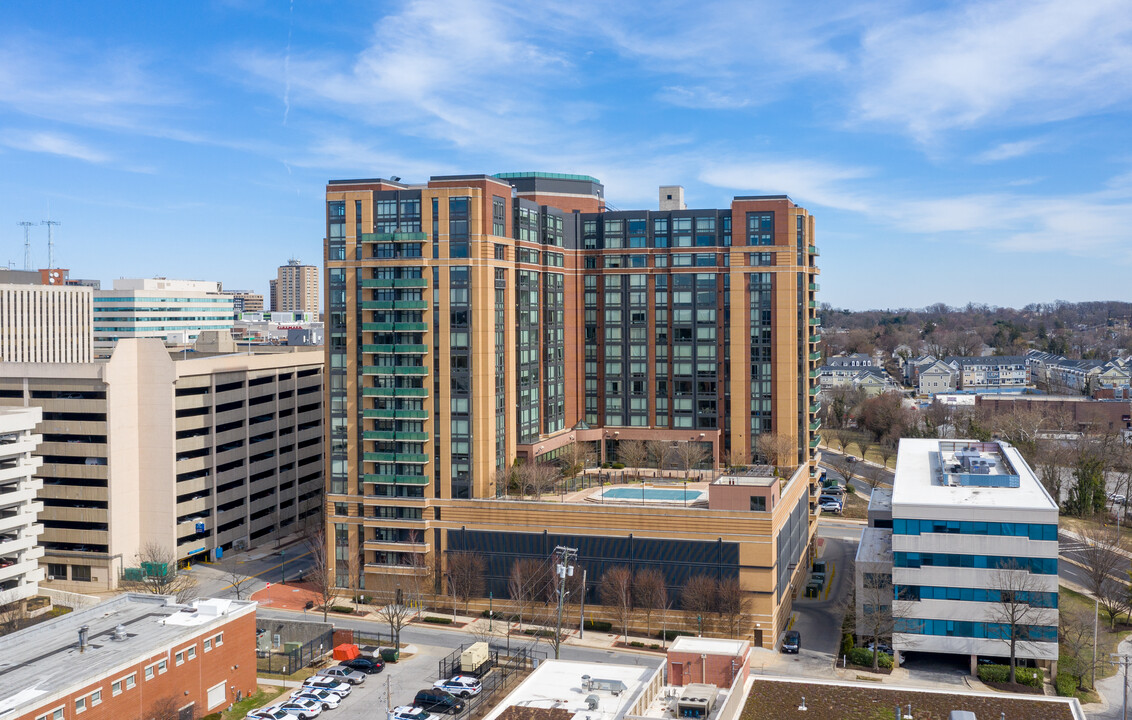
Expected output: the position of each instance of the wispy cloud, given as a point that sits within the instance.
(808, 181)
(1009, 62)
(52, 144)
(1010, 150)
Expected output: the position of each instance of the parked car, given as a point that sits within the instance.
(342, 673)
(268, 714)
(881, 647)
(829, 505)
(834, 490)
(302, 709)
(369, 666)
(463, 685)
(408, 712)
(791, 642)
(437, 700)
(325, 698)
(329, 684)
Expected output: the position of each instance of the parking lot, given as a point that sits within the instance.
(403, 679)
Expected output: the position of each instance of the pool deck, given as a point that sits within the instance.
(593, 495)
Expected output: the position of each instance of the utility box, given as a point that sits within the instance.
(476, 659)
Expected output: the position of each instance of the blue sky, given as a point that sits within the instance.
(952, 152)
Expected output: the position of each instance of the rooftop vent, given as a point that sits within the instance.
(82, 637)
(592, 702)
(119, 633)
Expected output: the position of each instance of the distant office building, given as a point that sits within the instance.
(133, 656)
(223, 451)
(244, 301)
(45, 323)
(20, 573)
(296, 288)
(176, 311)
(273, 295)
(971, 525)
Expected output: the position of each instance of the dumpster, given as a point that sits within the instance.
(390, 654)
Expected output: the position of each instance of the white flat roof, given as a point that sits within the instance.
(557, 684)
(875, 546)
(707, 646)
(919, 479)
(880, 499)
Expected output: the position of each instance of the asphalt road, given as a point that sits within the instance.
(262, 565)
(858, 484)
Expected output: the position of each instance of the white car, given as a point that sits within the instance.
(327, 699)
(302, 709)
(830, 506)
(268, 714)
(408, 712)
(342, 673)
(464, 686)
(328, 684)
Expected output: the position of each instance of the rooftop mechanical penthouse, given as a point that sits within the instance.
(477, 320)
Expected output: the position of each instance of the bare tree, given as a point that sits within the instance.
(322, 574)
(1102, 561)
(887, 449)
(877, 619)
(536, 478)
(166, 709)
(775, 447)
(699, 596)
(1015, 587)
(616, 593)
(846, 465)
(635, 454)
(575, 458)
(527, 583)
(1075, 635)
(13, 613)
(160, 575)
(733, 605)
(833, 437)
(735, 458)
(659, 453)
(690, 454)
(237, 579)
(391, 596)
(465, 576)
(873, 475)
(649, 593)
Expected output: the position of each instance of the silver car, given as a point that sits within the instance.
(342, 674)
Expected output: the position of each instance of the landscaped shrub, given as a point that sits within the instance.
(342, 608)
(1030, 677)
(436, 620)
(618, 466)
(654, 646)
(673, 634)
(636, 643)
(598, 625)
(864, 658)
(539, 633)
(1066, 684)
(846, 643)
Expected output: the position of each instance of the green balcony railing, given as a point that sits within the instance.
(393, 305)
(410, 349)
(815, 338)
(815, 425)
(394, 327)
(393, 282)
(394, 237)
(394, 392)
(816, 441)
(395, 435)
(383, 414)
(815, 287)
(398, 479)
(815, 321)
(814, 250)
(815, 356)
(377, 348)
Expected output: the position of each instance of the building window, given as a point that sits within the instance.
(149, 672)
(56, 571)
(758, 504)
(95, 698)
(130, 681)
(116, 687)
(208, 644)
(219, 639)
(56, 714)
(80, 705)
(180, 658)
(80, 573)
(162, 666)
(192, 652)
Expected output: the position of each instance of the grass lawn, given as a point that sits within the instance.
(855, 506)
(1083, 525)
(264, 695)
(780, 701)
(1107, 640)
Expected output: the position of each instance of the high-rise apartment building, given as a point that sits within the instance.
(46, 323)
(176, 311)
(20, 573)
(478, 320)
(295, 288)
(217, 451)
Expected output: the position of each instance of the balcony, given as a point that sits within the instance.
(815, 425)
(410, 458)
(396, 479)
(815, 321)
(815, 356)
(814, 287)
(394, 435)
(394, 283)
(814, 250)
(394, 370)
(815, 339)
(395, 392)
(395, 327)
(397, 546)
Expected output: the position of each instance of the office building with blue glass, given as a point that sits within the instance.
(973, 553)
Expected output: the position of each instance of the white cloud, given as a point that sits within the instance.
(1010, 150)
(803, 180)
(52, 144)
(1008, 62)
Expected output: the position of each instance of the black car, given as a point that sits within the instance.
(439, 701)
(370, 666)
(791, 641)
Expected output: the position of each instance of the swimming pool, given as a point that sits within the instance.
(651, 493)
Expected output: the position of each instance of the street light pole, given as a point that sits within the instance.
(283, 566)
(490, 611)
(1123, 661)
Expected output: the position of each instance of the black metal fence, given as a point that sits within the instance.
(283, 661)
(506, 670)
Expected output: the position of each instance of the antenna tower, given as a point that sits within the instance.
(50, 243)
(27, 243)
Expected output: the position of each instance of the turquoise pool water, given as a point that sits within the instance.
(630, 493)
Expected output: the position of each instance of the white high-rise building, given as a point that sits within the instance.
(20, 551)
(176, 311)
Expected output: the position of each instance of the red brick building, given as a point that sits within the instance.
(133, 657)
(708, 660)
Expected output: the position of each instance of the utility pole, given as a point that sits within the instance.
(27, 242)
(50, 242)
(565, 559)
(1123, 661)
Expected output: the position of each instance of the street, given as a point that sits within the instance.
(263, 565)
